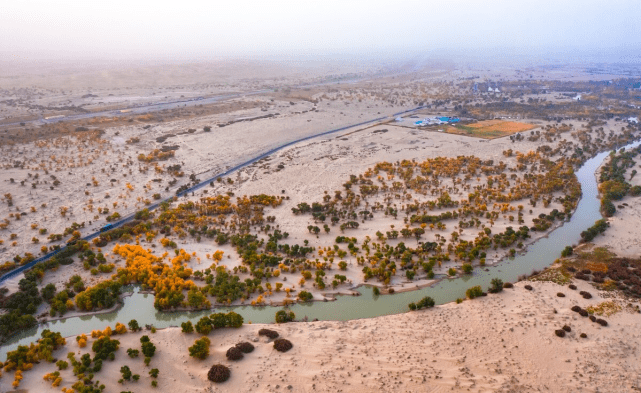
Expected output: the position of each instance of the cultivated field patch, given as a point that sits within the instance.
(490, 129)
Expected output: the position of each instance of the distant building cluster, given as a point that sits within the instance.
(429, 121)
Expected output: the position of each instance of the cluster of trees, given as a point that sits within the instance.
(217, 321)
(282, 316)
(24, 357)
(156, 155)
(426, 302)
(613, 184)
(102, 295)
(599, 227)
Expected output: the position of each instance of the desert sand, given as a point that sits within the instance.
(500, 343)
(503, 342)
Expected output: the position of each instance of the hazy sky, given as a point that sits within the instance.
(187, 28)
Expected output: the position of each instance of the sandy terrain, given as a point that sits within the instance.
(500, 343)
(622, 237)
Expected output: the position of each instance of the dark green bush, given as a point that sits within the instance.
(234, 353)
(282, 345)
(245, 347)
(218, 373)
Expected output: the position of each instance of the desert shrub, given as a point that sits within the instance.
(508, 285)
(567, 251)
(282, 345)
(269, 333)
(148, 349)
(200, 349)
(576, 308)
(571, 269)
(528, 287)
(234, 353)
(496, 285)
(473, 292)
(560, 332)
(426, 302)
(217, 321)
(283, 316)
(572, 286)
(245, 347)
(203, 326)
(133, 325)
(582, 276)
(583, 335)
(586, 295)
(218, 373)
(305, 296)
(412, 306)
(586, 271)
(104, 347)
(187, 327)
(602, 322)
(133, 353)
(560, 294)
(567, 328)
(583, 313)
(592, 318)
(126, 372)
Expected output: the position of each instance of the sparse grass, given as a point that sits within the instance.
(553, 274)
(490, 129)
(605, 308)
(596, 260)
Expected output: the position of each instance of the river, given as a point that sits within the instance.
(537, 256)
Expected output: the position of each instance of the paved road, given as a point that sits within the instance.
(130, 217)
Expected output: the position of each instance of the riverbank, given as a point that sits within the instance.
(540, 254)
(499, 343)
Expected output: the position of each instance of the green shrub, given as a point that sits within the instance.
(133, 325)
(200, 349)
(496, 285)
(426, 302)
(305, 296)
(283, 316)
(187, 327)
(473, 292)
(567, 251)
